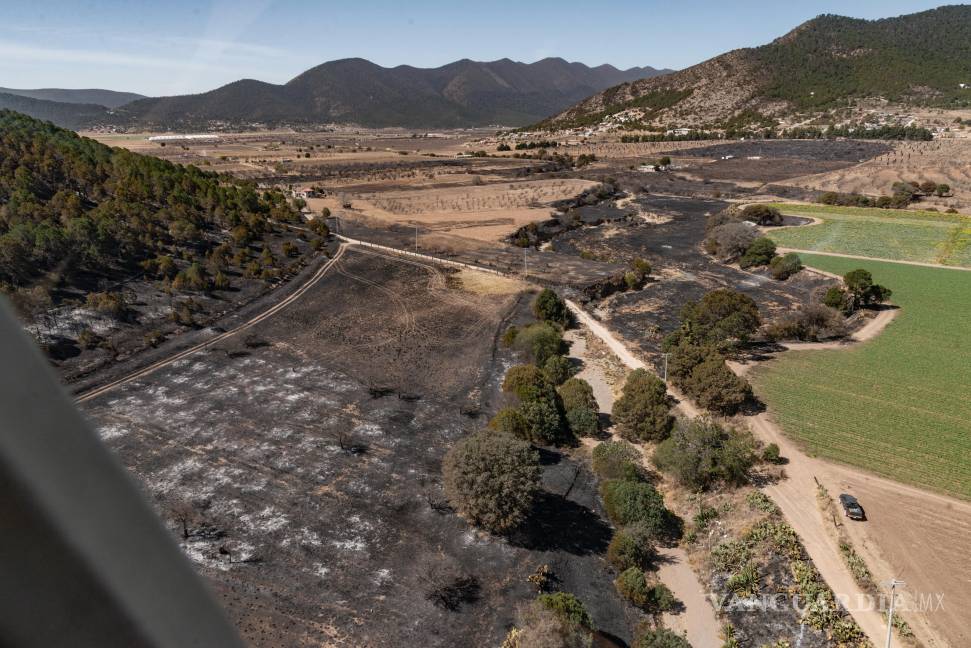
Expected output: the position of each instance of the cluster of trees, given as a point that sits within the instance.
(903, 194)
(670, 136)
(887, 132)
(69, 205)
(542, 144)
(701, 453)
(710, 328)
(551, 406)
(559, 160)
(731, 238)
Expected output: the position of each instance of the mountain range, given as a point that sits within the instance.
(460, 94)
(822, 65)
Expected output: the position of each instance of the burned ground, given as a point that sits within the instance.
(302, 462)
(683, 271)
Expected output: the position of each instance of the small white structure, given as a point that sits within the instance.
(183, 138)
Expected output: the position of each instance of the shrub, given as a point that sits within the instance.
(88, 339)
(524, 381)
(107, 303)
(659, 638)
(540, 341)
(629, 502)
(557, 369)
(701, 453)
(729, 241)
(491, 479)
(548, 307)
(721, 318)
(583, 421)
(811, 322)
(610, 459)
(783, 267)
(543, 421)
(761, 252)
(632, 586)
(771, 454)
(715, 387)
(744, 582)
(643, 411)
(567, 607)
(509, 337)
(510, 421)
(762, 215)
(838, 299)
(632, 547)
(538, 626)
(577, 392)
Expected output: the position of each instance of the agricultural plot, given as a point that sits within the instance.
(926, 237)
(897, 405)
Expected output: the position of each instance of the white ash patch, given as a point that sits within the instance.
(354, 544)
(304, 537)
(368, 430)
(320, 570)
(172, 476)
(112, 431)
(381, 576)
(268, 520)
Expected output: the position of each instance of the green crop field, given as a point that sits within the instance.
(898, 405)
(904, 235)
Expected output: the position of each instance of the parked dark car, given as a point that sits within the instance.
(851, 507)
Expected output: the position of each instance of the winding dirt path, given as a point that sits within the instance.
(698, 620)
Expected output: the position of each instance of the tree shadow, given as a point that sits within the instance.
(558, 524)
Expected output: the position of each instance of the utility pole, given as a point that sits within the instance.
(893, 586)
(525, 268)
(416, 238)
(666, 355)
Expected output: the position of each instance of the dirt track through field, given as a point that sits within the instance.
(222, 336)
(867, 258)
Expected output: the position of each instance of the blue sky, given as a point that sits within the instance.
(175, 46)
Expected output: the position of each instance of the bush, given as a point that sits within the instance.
(771, 454)
(548, 307)
(701, 453)
(760, 253)
(781, 268)
(491, 479)
(715, 387)
(568, 608)
(659, 638)
(541, 341)
(583, 421)
(558, 369)
(610, 459)
(729, 241)
(577, 392)
(538, 626)
(525, 381)
(643, 411)
(812, 322)
(88, 339)
(510, 421)
(762, 215)
(838, 299)
(108, 303)
(509, 337)
(632, 547)
(543, 422)
(629, 502)
(721, 318)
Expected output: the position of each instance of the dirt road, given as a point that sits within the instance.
(698, 620)
(867, 258)
(217, 338)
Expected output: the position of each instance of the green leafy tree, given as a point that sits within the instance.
(715, 387)
(643, 411)
(862, 290)
(722, 318)
(700, 453)
(761, 252)
(548, 307)
(492, 478)
(633, 546)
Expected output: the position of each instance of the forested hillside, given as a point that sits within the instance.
(71, 206)
(827, 63)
